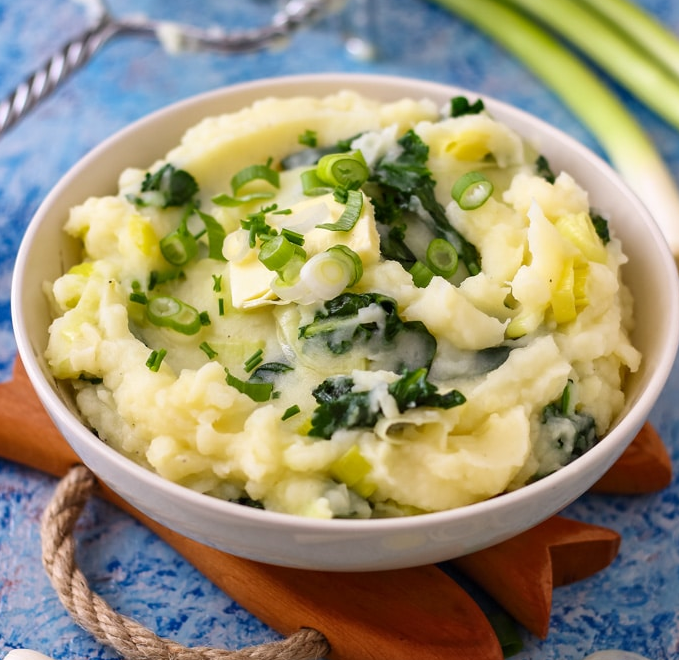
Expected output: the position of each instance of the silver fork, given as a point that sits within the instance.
(77, 52)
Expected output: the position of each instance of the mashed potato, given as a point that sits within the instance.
(292, 311)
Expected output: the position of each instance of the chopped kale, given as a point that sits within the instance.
(268, 372)
(400, 179)
(601, 226)
(460, 105)
(342, 408)
(248, 501)
(568, 433)
(543, 169)
(176, 186)
(371, 321)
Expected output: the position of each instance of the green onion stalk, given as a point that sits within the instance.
(628, 147)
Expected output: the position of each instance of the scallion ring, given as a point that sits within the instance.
(351, 259)
(179, 246)
(276, 252)
(170, 312)
(348, 170)
(328, 273)
(421, 274)
(254, 173)
(442, 258)
(312, 186)
(471, 191)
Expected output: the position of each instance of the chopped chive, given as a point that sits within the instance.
(290, 412)
(208, 350)
(204, 318)
(220, 306)
(217, 283)
(254, 360)
(155, 359)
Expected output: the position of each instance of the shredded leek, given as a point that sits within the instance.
(628, 147)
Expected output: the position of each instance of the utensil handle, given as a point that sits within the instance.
(42, 82)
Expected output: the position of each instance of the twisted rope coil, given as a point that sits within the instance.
(130, 639)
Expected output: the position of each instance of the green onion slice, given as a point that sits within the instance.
(471, 190)
(242, 178)
(442, 258)
(254, 173)
(215, 236)
(170, 312)
(179, 246)
(293, 236)
(351, 259)
(421, 274)
(312, 185)
(328, 273)
(350, 215)
(348, 170)
(276, 252)
(258, 392)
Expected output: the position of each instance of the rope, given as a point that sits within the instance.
(130, 639)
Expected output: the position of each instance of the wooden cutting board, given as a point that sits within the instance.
(404, 614)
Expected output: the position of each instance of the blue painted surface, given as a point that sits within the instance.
(634, 604)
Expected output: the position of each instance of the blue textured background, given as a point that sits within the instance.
(631, 605)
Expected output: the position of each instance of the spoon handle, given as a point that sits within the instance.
(42, 82)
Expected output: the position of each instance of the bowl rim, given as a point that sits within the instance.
(61, 412)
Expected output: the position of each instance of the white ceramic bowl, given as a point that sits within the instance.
(344, 545)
